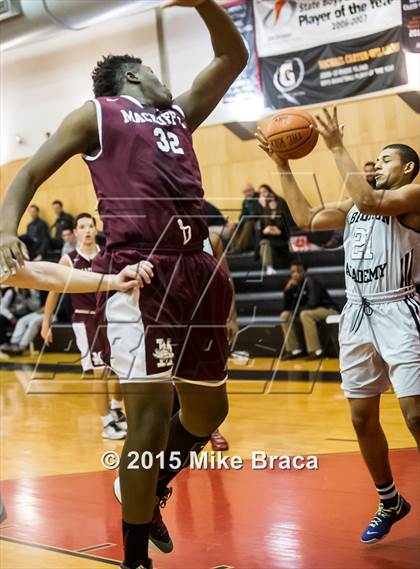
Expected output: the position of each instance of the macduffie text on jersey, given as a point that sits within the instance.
(146, 177)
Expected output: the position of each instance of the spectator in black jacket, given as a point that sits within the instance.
(63, 220)
(37, 236)
(250, 212)
(274, 236)
(312, 303)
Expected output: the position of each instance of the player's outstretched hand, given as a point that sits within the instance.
(182, 3)
(329, 129)
(265, 145)
(13, 254)
(133, 276)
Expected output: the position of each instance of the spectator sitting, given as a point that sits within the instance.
(69, 240)
(369, 171)
(37, 236)
(265, 192)
(15, 303)
(313, 304)
(274, 236)
(215, 219)
(251, 210)
(63, 220)
(26, 330)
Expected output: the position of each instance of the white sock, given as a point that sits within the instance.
(318, 352)
(106, 419)
(116, 404)
(296, 352)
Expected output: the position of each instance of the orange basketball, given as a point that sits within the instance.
(292, 133)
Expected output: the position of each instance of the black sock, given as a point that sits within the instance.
(136, 544)
(183, 443)
(388, 494)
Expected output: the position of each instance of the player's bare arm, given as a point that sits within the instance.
(230, 58)
(219, 253)
(393, 200)
(43, 275)
(78, 133)
(50, 306)
(328, 217)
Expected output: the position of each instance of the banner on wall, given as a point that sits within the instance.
(411, 25)
(284, 26)
(247, 85)
(336, 71)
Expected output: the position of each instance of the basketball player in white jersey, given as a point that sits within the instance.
(380, 324)
(84, 326)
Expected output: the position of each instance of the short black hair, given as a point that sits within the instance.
(108, 75)
(297, 263)
(407, 155)
(67, 227)
(82, 216)
(370, 163)
(58, 203)
(35, 206)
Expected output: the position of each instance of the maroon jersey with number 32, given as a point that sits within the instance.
(146, 177)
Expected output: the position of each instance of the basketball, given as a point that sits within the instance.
(292, 133)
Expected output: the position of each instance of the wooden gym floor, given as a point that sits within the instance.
(61, 510)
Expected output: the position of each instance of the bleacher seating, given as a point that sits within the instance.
(259, 299)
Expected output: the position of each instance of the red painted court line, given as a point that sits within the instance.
(246, 519)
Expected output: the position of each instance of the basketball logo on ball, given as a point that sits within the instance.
(292, 133)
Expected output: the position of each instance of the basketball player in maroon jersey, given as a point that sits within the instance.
(137, 143)
(84, 326)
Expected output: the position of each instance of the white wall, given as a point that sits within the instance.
(41, 82)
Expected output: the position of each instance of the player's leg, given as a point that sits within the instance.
(374, 448)
(85, 333)
(111, 428)
(371, 438)
(202, 410)
(410, 407)
(148, 407)
(367, 369)
(115, 398)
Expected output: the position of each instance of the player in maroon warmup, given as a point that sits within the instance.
(113, 420)
(137, 143)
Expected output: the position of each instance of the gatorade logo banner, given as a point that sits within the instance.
(336, 71)
(292, 25)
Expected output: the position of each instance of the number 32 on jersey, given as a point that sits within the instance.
(167, 141)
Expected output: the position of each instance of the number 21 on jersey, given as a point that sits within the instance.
(168, 141)
(362, 247)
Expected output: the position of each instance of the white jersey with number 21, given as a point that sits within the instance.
(381, 254)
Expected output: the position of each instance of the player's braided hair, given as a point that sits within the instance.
(108, 75)
(407, 155)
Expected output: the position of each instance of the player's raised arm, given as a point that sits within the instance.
(78, 133)
(395, 199)
(230, 58)
(328, 217)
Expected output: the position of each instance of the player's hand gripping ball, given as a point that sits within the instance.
(292, 133)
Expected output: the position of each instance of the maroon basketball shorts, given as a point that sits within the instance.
(174, 328)
(85, 331)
